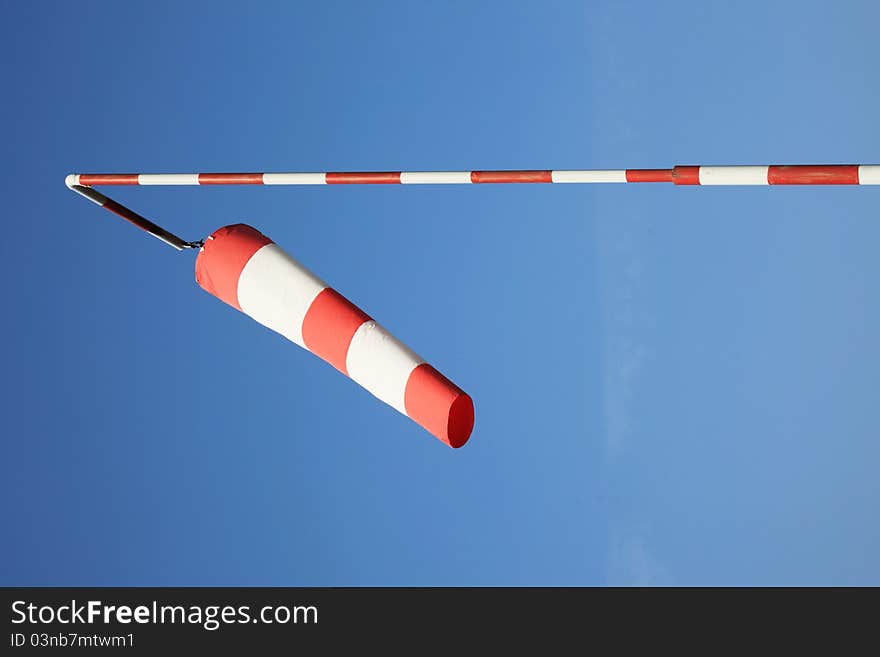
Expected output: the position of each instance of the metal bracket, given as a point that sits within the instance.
(133, 217)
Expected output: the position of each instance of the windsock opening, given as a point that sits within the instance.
(221, 260)
(245, 269)
(439, 405)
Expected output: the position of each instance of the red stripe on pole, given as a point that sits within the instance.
(362, 178)
(686, 175)
(439, 405)
(230, 178)
(329, 326)
(804, 174)
(89, 179)
(511, 177)
(223, 257)
(648, 175)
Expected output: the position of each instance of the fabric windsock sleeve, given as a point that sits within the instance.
(244, 268)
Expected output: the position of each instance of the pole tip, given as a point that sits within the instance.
(71, 180)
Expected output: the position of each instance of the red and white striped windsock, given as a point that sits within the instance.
(244, 268)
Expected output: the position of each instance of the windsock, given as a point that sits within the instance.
(244, 268)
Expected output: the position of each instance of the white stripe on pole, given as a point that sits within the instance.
(435, 177)
(277, 291)
(596, 176)
(294, 179)
(869, 174)
(381, 363)
(734, 175)
(168, 179)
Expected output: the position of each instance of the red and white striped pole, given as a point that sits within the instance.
(800, 174)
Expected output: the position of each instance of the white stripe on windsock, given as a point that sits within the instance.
(277, 291)
(381, 363)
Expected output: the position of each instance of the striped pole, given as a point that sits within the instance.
(244, 268)
(800, 174)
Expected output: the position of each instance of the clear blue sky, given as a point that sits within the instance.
(672, 385)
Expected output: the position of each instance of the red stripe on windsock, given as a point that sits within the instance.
(223, 257)
(804, 174)
(648, 175)
(230, 178)
(362, 178)
(439, 405)
(89, 179)
(511, 177)
(329, 326)
(686, 175)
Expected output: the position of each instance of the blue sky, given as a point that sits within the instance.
(672, 385)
